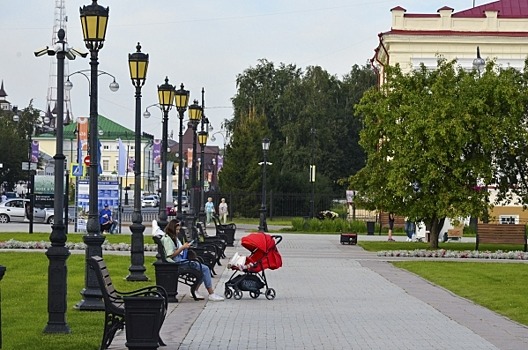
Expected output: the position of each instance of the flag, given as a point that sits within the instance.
(34, 151)
(121, 162)
(99, 165)
(157, 151)
(79, 169)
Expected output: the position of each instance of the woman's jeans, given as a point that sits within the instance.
(409, 229)
(205, 272)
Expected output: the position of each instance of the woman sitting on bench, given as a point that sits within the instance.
(177, 252)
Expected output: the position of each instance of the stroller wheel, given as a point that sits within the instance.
(238, 295)
(270, 294)
(254, 294)
(228, 293)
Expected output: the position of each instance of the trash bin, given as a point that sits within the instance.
(143, 320)
(370, 227)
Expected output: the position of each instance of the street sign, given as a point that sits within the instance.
(29, 166)
(76, 170)
(87, 160)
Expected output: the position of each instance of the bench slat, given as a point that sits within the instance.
(500, 233)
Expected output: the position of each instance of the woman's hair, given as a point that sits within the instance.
(171, 227)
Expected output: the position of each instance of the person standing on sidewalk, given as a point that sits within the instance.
(223, 211)
(209, 210)
(391, 226)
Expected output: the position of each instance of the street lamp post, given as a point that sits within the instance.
(202, 140)
(181, 99)
(94, 19)
(263, 226)
(312, 173)
(58, 253)
(138, 64)
(195, 115)
(165, 98)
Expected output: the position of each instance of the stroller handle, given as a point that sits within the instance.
(277, 239)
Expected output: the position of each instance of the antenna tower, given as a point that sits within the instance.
(59, 22)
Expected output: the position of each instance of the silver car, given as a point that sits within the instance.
(149, 201)
(14, 210)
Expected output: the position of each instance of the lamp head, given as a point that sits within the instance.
(265, 144)
(94, 19)
(166, 95)
(202, 138)
(195, 112)
(138, 65)
(181, 98)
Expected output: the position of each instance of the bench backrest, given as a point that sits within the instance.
(399, 221)
(501, 233)
(111, 299)
(161, 249)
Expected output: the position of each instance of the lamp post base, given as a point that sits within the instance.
(137, 269)
(263, 225)
(92, 296)
(57, 290)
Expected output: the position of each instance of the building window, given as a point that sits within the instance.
(509, 219)
(106, 164)
(106, 147)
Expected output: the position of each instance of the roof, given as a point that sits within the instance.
(2, 91)
(506, 8)
(111, 131)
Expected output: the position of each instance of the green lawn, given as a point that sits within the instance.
(24, 301)
(497, 286)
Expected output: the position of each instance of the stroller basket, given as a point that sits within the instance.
(251, 276)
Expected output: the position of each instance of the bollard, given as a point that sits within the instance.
(2, 272)
(143, 320)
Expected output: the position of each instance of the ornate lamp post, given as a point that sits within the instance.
(165, 98)
(195, 115)
(202, 140)
(181, 99)
(94, 19)
(58, 253)
(263, 226)
(138, 64)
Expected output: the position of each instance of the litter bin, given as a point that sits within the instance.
(143, 320)
(370, 227)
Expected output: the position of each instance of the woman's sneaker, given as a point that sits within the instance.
(215, 297)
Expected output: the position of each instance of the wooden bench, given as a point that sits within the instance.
(455, 233)
(115, 305)
(169, 274)
(399, 221)
(496, 233)
(226, 231)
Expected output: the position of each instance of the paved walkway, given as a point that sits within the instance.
(333, 296)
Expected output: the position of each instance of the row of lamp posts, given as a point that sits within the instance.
(94, 19)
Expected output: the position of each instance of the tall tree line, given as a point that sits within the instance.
(308, 115)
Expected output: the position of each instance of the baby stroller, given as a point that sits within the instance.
(249, 275)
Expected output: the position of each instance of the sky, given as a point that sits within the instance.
(200, 43)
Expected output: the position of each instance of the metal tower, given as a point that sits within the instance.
(59, 22)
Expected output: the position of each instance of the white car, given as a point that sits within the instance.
(149, 201)
(14, 210)
(185, 203)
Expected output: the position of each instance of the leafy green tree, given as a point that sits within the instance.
(431, 137)
(309, 119)
(14, 143)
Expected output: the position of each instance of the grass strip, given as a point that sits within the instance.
(497, 286)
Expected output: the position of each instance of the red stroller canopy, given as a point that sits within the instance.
(264, 252)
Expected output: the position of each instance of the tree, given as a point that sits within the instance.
(431, 137)
(308, 117)
(14, 146)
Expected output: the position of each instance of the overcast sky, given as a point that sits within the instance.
(199, 43)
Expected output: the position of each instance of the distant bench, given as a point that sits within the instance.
(497, 233)
(455, 233)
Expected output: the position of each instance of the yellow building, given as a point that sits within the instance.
(109, 132)
(499, 28)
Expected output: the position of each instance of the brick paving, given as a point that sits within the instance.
(333, 296)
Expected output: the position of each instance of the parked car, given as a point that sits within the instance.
(185, 203)
(149, 201)
(14, 210)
